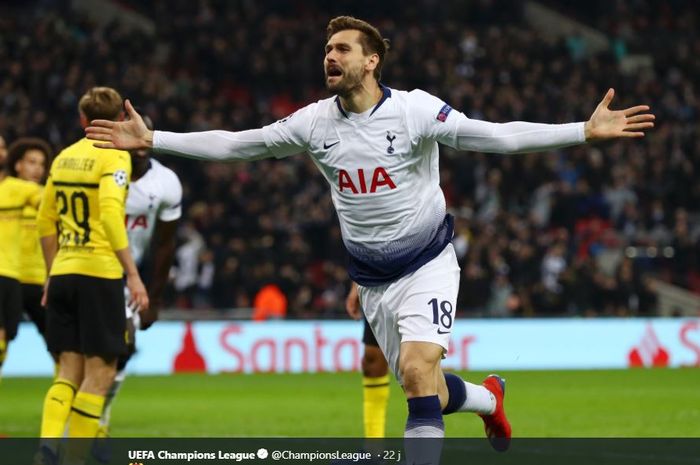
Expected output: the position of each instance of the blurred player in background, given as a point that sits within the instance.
(29, 159)
(83, 237)
(15, 196)
(153, 208)
(375, 373)
(378, 149)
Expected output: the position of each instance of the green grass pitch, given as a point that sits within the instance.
(624, 403)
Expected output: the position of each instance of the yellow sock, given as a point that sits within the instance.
(57, 404)
(85, 415)
(376, 396)
(83, 422)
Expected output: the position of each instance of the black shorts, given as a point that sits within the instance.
(368, 336)
(86, 315)
(31, 302)
(10, 306)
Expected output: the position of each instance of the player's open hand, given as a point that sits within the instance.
(138, 297)
(608, 124)
(131, 134)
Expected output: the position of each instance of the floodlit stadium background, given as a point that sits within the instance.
(605, 238)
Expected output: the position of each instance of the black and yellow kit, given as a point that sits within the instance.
(84, 206)
(15, 196)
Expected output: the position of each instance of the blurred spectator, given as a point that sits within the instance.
(269, 304)
(187, 265)
(535, 234)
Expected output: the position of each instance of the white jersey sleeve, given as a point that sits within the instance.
(285, 137)
(170, 208)
(213, 145)
(435, 120)
(291, 135)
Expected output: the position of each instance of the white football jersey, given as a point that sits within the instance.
(157, 195)
(382, 167)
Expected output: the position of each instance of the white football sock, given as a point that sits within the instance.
(479, 400)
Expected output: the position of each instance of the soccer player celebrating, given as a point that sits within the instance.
(375, 373)
(153, 208)
(29, 159)
(83, 237)
(378, 149)
(15, 196)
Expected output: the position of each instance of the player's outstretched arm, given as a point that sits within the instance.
(283, 138)
(204, 145)
(609, 124)
(131, 134)
(437, 121)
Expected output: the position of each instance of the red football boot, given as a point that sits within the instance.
(496, 424)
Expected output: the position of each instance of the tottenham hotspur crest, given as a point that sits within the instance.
(390, 137)
(120, 178)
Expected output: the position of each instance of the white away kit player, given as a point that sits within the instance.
(378, 149)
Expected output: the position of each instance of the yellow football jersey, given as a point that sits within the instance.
(32, 269)
(83, 204)
(15, 194)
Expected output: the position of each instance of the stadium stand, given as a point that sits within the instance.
(582, 231)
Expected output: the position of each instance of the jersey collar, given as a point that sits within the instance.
(386, 93)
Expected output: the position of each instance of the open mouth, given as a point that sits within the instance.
(334, 71)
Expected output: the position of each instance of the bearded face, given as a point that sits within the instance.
(345, 64)
(342, 81)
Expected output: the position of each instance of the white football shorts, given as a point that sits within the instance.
(418, 307)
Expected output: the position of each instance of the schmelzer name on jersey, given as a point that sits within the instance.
(75, 164)
(358, 181)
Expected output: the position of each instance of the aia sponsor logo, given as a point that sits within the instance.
(136, 222)
(362, 183)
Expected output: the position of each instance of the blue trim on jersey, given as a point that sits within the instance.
(340, 107)
(386, 93)
(375, 274)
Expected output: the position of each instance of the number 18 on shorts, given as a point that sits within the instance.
(419, 307)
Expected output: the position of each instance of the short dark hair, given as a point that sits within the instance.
(101, 103)
(370, 38)
(17, 150)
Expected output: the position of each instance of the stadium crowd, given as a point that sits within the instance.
(578, 231)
